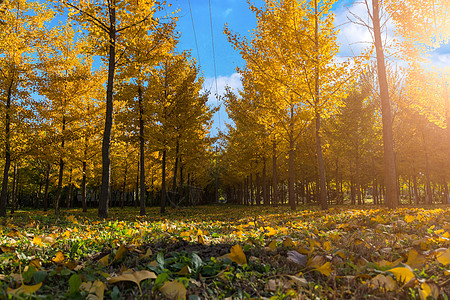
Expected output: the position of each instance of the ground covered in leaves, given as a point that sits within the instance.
(226, 252)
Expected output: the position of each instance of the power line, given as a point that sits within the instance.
(195, 35)
(214, 57)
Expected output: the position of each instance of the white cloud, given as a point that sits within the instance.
(233, 81)
(354, 36)
(227, 12)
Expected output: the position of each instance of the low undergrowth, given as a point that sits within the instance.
(227, 252)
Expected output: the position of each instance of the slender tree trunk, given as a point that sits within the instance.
(175, 167)
(47, 183)
(13, 194)
(61, 168)
(4, 192)
(391, 199)
(69, 192)
(446, 196)
(416, 195)
(141, 152)
(122, 203)
(163, 183)
(374, 180)
(320, 162)
(274, 174)
(429, 194)
(358, 180)
(291, 200)
(106, 143)
(264, 187)
(83, 187)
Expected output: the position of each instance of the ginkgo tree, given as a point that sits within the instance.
(23, 23)
(295, 46)
(111, 27)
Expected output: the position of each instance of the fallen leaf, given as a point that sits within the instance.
(38, 241)
(59, 258)
(237, 255)
(297, 259)
(316, 262)
(383, 282)
(120, 253)
(415, 259)
(409, 218)
(135, 277)
(97, 287)
(325, 269)
(428, 290)
(173, 290)
(288, 243)
(402, 274)
(444, 257)
(104, 260)
(27, 289)
(272, 245)
(147, 254)
(184, 271)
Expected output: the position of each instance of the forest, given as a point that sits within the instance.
(106, 127)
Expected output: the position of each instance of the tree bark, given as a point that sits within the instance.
(106, 143)
(141, 152)
(163, 183)
(47, 183)
(274, 174)
(264, 187)
(391, 199)
(4, 192)
(61, 168)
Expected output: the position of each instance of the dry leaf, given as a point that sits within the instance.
(428, 290)
(415, 259)
(173, 290)
(444, 257)
(383, 282)
(27, 289)
(237, 255)
(402, 274)
(135, 277)
(120, 253)
(297, 259)
(325, 269)
(59, 258)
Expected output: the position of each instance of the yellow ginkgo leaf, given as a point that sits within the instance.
(409, 218)
(97, 287)
(173, 290)
(288, 242)
(147, 254)
(383, 282)
(36, 263)
(444, 257)
(37, 241)
(27, 289)
(104, 260)
(135, 277)
(120, 253)
(59, 258)
(184, 271)
(200, 239)
(272, 245)
(415, 259)
(316, 262)
(402, 274)
(325, 269)
(237, 255)
(428, 290)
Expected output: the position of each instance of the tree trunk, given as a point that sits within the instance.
(429, 194)
(416, 195)
(4, 192)
(14, 187)
(69, 192)
(106, 143)
(264, 187)
(274, 174)
(391, 199)
(163, 183)
(141, 152)
(358, 180)
(83, 187)
(258, 189)
(61, 168)
(47, 183)
(374, 181)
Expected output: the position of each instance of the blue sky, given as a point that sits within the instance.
(240, 19)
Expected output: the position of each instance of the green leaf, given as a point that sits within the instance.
(159, 281)
(74, 283)
(39, 276)
(160, 260)
(196, 261)
(28, 275)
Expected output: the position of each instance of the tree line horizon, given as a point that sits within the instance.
(306, 127)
